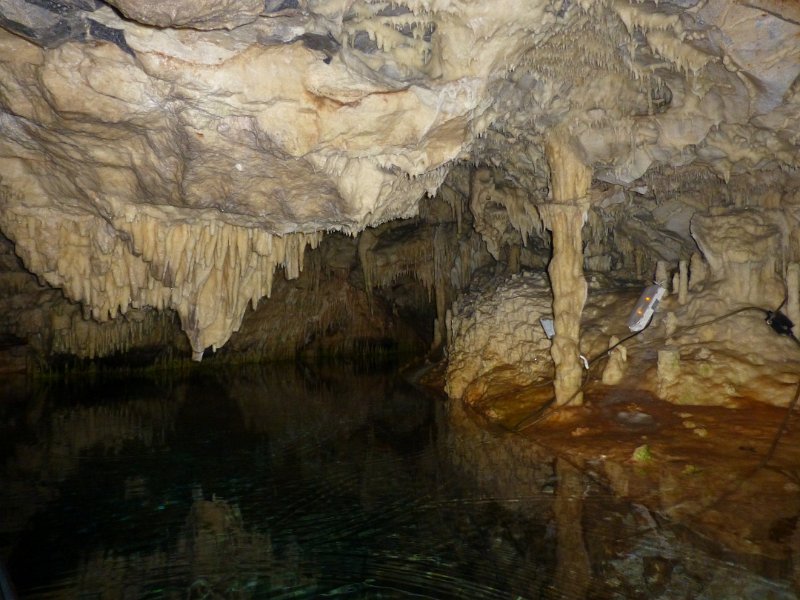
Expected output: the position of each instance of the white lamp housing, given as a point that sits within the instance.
(645, 307)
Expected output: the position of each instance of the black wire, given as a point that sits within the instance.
(542, 411)
(538, 414)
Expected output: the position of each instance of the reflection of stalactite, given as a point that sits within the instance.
(221, 553)
(73, 334)
(261, 393)
(215, 550)
(573, 571)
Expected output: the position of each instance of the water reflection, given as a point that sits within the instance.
(286, 483)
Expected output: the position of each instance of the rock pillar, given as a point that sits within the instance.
(564, 217)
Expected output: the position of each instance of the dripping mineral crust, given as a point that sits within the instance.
(418, 182)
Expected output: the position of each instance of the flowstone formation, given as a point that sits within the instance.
(174, 155)
(500, 329)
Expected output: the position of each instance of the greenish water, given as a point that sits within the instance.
(286, 483)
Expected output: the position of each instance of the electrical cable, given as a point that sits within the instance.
(538, 415)
(764, 461)
(777, 320)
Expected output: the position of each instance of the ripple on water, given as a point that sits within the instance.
(262, 485)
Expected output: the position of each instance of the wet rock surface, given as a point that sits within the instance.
(717, 459)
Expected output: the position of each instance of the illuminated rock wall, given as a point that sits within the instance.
(174, 157)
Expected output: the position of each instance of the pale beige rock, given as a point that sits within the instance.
(742, 249)
(695, 353)
(500, 328)
(697, 271)
(342, 115)
(616, 365)
(565, 217)
(199, 14)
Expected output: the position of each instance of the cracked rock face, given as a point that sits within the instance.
(174, 154)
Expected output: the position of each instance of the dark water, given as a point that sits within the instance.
(286, 483)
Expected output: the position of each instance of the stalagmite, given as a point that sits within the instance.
(742, 249)
(670, 324)
(514, 251)
(617, 359)
(564, 217)
(662, 273)
(669, 368)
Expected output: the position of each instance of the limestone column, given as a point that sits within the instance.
(564, 217)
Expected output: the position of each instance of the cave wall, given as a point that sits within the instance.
(175, 160)
(370, 298)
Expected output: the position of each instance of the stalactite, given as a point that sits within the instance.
(486, 196)
(73, 334)
(442, 259)
(413, 255)
(208, 272)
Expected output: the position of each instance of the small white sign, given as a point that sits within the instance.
(549, 328)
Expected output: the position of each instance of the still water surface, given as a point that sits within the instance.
(281, 482)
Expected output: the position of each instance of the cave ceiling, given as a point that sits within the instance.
(173, 154)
